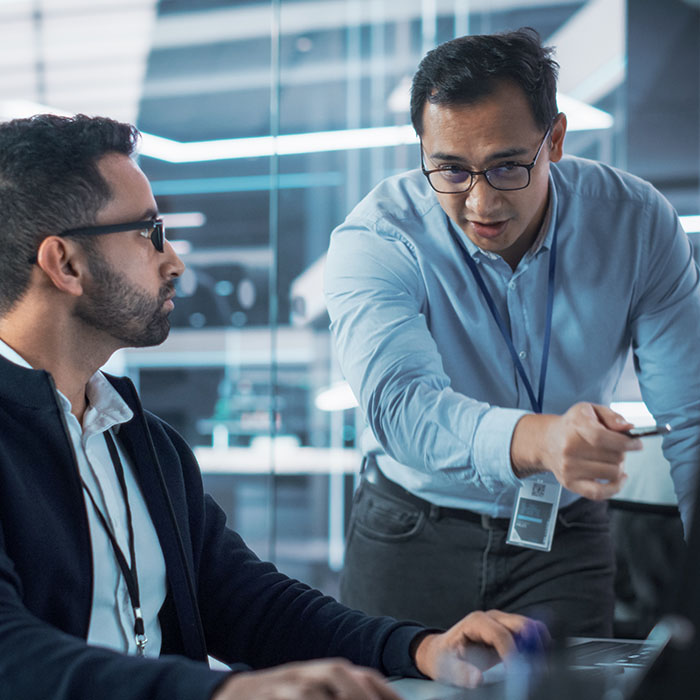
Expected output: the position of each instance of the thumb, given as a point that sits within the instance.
(611, 419)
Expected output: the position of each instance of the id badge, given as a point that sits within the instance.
(535, 513)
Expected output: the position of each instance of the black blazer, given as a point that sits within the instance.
(221, 599)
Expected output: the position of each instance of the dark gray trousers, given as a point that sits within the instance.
(407, 562)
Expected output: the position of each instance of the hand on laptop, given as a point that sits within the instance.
(584, 448)
(308, 680)
(477, 642)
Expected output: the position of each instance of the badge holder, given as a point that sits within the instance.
(535, 513)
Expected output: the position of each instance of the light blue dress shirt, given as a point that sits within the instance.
(112, 616)
(430, 369)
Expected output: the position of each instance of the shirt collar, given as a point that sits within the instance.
(106, 408)
(544, 237)
(9, 354)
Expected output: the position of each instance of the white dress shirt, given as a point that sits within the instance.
(112, 615)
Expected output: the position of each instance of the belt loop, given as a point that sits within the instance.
(363, 465)
(434, 512)
(485, 521)
(369, 461)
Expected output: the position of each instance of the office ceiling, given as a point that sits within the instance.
(198, 70)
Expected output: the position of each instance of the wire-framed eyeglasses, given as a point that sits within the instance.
(451, 179)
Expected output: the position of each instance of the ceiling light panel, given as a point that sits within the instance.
(77, 55)
(245, 22)
(18, 45)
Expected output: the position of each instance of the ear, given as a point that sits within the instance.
(556, 138)
(62, 261)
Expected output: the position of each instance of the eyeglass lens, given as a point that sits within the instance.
(507, 177)
(158, 235)
(155, 231)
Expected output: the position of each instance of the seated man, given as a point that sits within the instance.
(109, 550)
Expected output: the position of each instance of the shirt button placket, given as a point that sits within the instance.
(517, 325)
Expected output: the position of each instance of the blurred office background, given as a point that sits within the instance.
(265, 122)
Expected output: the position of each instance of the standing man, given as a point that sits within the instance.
(483, 307)
(117, 574)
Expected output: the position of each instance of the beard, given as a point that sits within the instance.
(113, 305)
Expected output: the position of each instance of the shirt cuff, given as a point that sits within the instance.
(491, 450)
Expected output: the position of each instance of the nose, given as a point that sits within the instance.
(481, 199)
(172, 265)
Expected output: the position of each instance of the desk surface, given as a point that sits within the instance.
(417, 689)
(563, 685)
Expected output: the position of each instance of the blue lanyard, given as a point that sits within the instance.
(535, 402)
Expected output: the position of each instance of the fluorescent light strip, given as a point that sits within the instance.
(581, 117)
(690, 224)
(286, 144)
(185, 219)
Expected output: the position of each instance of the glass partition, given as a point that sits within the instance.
(265, 122)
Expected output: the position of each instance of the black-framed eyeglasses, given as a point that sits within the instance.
(151, 228)
(451, 179)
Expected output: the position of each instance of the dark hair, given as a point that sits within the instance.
(469, 68)
(49, 182)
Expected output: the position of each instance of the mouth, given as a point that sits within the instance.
(488, 229)
(168, 303)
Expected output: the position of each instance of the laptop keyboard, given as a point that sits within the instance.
(612, 653)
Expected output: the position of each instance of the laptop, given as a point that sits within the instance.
(661, 666)
(585, 668)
